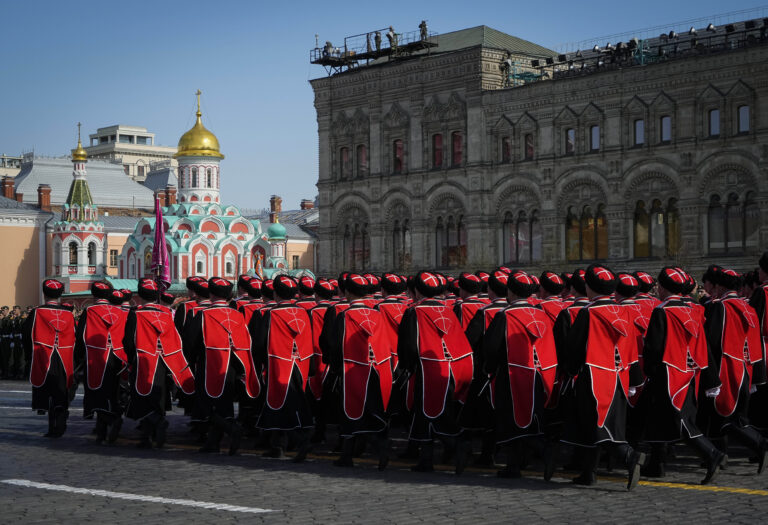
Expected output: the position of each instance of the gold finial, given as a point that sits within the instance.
(277, 219)
(198, 93)
(79, 154)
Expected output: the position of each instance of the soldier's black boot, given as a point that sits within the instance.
(634, 461)
(382, 449)
(347, 451)
(160, 431)
(303, 445)
(589, 458)
(426, 458)
(51, 424)
(101, 427)
(146, 428)
(549, 454)
(752, 439)
(60, 421)
(277, 442)
(512, 470)
(714, 458)
(114, 429)
(485, 459)
(463, 451)
(213, 441)
(654, 468)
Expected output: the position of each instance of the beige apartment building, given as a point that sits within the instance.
(132, 146)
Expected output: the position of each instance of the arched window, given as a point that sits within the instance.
(439, 242)
(147, 262)
(194, 178)
(657, 232)
(437, 151)
(570, 141)
(536, 237)
(586, 235)
(229, 268)
(91, 254)
(200, 268)
(457, 148)
(714, 122)
(397, 156)
(401, 244)
(642, 231)
(716, 225)
(665, 129)
(397, 247)
(751, 221)
(73, 253)
(523, 239)
(509, 234)
(450, 242)
(209, 177)
(132, 269)
(180, 176)
(346, 247)
(362, 160)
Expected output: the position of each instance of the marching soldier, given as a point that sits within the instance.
(153, 348)
(49, 334)
(676, 361)
(359, 353)
(601, 361)
(282, 346)
(100, 356)
(433, 349)
(219, 348)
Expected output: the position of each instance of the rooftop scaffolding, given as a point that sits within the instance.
(380, 43)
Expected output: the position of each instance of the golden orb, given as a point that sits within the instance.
(198, 141)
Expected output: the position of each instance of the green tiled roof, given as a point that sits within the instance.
(79, 194)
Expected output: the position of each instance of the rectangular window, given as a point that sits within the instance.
(457, 149)
(506, 149)
(666, 129)
(125, 139)
(397, 156)
(437, 151)
(362, 160)
(714, 122)
(142, 140)
(295, 262)
(344, 161)
(570, 141)
(140, 171)
(529, 147)
(113, 258)
(594, 138)
(743, 119)
(103, 140)
(639, 132)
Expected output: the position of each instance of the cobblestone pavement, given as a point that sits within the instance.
(75, 480)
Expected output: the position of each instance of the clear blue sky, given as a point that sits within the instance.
(139, 63)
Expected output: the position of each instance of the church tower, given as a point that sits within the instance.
(79, 241)
(199, 159)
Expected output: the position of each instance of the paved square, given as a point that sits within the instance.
(52, 480)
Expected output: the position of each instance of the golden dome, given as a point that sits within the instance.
(79, 154)
(198, 141)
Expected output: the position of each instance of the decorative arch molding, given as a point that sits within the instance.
(710, 93)
(235, 226)
(649, 184)
(740, 89)
(592, 111)
(737, 177)
(440, 186)
(581, 191)
(355, 197)
(663, 101)
(397, 209)
(597, 175)
(70, 238)
(516, 196)
(503, 123)
(446, 202)
(635, 105)
(221, 228)
(397, 192)
(566, 115)
(454, 109)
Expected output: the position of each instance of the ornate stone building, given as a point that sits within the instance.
(488, 149)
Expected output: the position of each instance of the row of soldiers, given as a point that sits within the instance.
(590, 359)
(14, 364)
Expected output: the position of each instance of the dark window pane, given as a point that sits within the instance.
(601, 225)
(666, 129)
(506, 149)
(716, 226)
(743, 119)
(457, 141)
(570, 141)
(587, 234)
(529, 147)
(536, 239)
(594, 140)
(572, 242)
(437, 151)
(714, 122)
(658, 230)
(639, 132)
